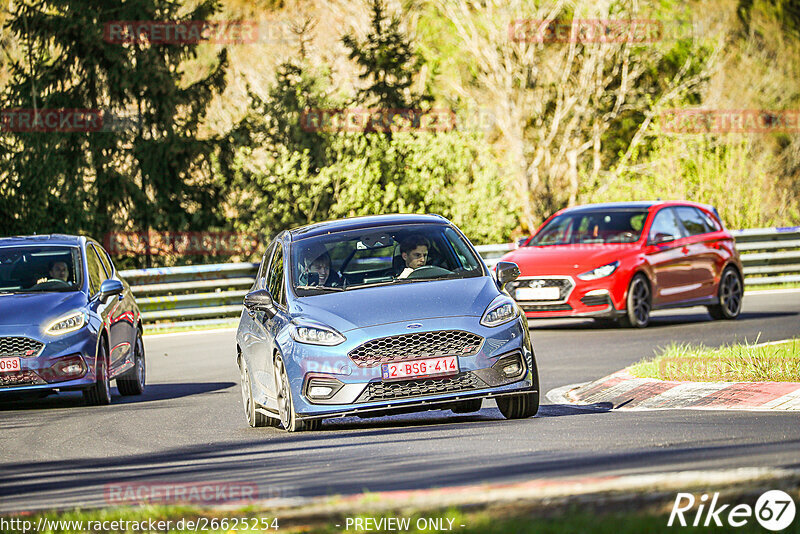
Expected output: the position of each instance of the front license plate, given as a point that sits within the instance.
(8, 365)
(537, 293)
(447, 365)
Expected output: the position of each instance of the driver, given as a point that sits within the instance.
(414, 250)
(57, 270)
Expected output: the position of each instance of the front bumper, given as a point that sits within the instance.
(598, 298)
(38, 372)
(363, 390)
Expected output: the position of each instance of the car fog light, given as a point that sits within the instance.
(511, 370)
(319, 391)
(321, 387)
(65, 369)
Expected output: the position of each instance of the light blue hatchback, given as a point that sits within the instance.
(376, 315)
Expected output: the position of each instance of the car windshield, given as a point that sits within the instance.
(587, 227)
(379, 256)
(25, 269)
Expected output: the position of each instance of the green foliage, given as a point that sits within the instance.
(451, 174)
(723, 172)
(153, 174)
(388, 61)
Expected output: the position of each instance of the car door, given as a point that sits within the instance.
(119, 345)
(668, 260)
(265, 327)
(125, 314)
(702, 255)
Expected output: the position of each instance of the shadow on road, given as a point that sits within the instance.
(153, 392)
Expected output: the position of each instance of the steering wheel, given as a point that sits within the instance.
(53, 283)
(427, 271)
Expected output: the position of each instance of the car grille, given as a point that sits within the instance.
(564, 285)
(20, 378)
(377, 391)
(415, 346)
(19, 346)
(545, 307)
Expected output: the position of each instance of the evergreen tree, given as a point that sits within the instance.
(152, 174)
(388, 60)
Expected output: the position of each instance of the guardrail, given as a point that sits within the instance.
(199, 292)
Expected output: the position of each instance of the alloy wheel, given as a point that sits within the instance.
(284, 400)
(731, 294)
(641, 300)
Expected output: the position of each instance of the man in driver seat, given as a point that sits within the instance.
(58, 270)
(414, 251)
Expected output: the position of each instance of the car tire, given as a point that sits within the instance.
(288, 417)
(519, 406)
(99, 394)
(467, 406)
(133, 381)
(254, 417)
(524, 405)
(729, 296)
(639, 303)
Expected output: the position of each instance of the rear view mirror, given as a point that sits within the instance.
(506, 272)
(259, 300)
(110, 287)
(662, 238)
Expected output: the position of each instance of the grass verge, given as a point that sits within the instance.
(779, 362)
(630, 514)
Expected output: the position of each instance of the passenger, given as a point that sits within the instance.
(414, 250)
(321, 265)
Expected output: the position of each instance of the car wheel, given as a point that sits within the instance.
(468, 406)
(729, 295)
(639, 303)
(254, 418)
(132, 382)
(99, 394)
(288, 417)
(524, 405)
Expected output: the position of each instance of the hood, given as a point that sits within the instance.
(359, 308)
(567, 259)
(25, 309)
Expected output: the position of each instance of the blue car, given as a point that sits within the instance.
(376, 315)
(67, 321)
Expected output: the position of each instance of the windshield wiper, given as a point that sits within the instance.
(320, 288)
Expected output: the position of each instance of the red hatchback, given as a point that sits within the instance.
(620, 261)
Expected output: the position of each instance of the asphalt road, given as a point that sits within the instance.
(189, 426)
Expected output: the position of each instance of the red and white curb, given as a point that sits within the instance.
(623, 391)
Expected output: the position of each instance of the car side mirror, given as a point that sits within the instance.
(662, 238)
(521, 241)
(260, 300)
(110, 288)
(507, 271)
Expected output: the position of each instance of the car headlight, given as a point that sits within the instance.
(68, 323)
(315, 334)
(600, 272)
(501, 310)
